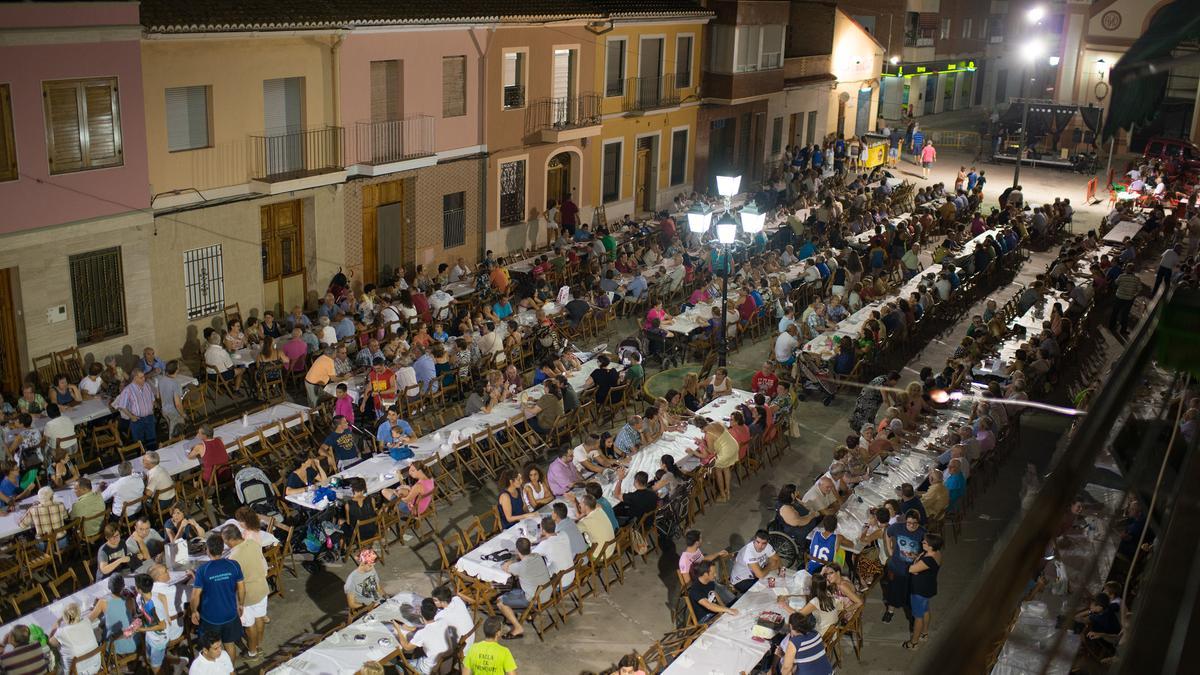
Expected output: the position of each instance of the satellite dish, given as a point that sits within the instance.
(844, 97)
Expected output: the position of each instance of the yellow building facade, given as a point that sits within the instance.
(648, 75)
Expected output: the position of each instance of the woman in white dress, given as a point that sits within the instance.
(74, 637)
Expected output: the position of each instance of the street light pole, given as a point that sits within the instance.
(1024, 132)
(723, 350)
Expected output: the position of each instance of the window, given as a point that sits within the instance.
(512, 192)
(387, 91)
(679, 153)
(772, 48)
(776, 136)
(945, 34)
(454, 86)
(720, 49)
(749, 41)
(983, 29)
(83, 124)
(454, 219)
(8, 148)
(966, 32)
(514, 80)
(610, 173)
(683, 61)
(204, 281)
(614, 68)
(187, 118)
(98, 295)
(759, 48)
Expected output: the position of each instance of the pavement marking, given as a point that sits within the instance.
(808, 428)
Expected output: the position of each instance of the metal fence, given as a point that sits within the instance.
(563, 113)
(394, 140)
(98, 295)
(296, 154)
(648, 93)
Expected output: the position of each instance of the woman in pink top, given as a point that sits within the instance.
(657, 312)
(415, 499)
(928, 157)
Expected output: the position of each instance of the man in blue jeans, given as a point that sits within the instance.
(218, 595)
(136, 404)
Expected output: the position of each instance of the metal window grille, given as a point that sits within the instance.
(454, 219)
(98, 295)
(512, 192)
(204, 281)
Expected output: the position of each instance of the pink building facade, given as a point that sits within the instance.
(74, 227)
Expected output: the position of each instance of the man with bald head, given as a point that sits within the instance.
(822, 496)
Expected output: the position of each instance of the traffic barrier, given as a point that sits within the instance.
(1089, 195)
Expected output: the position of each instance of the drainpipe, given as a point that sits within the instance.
(334, 80)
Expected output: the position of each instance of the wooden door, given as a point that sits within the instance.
(642, 178)
(558, 178)
(373, 197)
(283, 256)
(10, 358)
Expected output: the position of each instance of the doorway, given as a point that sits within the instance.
(283, 120)
(284, 282)
(841, 122)
(558, 178)
(931, 94)
(644, 177)
(383, 215)
(862, 114)
(10, 358)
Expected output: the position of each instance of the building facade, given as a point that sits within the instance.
(76, 236)
(743, 73)
(648, 75)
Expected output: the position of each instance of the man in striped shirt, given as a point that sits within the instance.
(136, 404)
(802, 652)
(25, 657)
(1125, 289)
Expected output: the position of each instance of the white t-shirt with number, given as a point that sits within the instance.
(749, 554)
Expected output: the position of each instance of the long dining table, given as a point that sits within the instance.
(174, 457)
(381, 471)
(674, 443)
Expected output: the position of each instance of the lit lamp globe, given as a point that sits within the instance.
(753, 220)
(727, 186)
(726, 229)
(699, 218)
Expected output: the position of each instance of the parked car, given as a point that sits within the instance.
(1179, 155)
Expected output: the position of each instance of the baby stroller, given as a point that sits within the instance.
(322, 538)
(255, 490)
(810, 380)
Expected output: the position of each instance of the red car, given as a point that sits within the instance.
(1179, 155)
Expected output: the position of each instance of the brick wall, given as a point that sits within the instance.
(424, 190)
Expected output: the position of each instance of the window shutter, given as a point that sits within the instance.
(614, 86)
(62, 114)
(385, 91)
(8, 154)
(187, 118)
(454, 86)
(103, 132)
(683, 62)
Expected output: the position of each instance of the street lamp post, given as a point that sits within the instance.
(1031, 53)
(752, 222)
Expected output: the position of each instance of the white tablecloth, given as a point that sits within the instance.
(1125, 228)
(728, 647)
(371, 638)
(172, 457)
(382, 471)
(646, 459)
(87, 411)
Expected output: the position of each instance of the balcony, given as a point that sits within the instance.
(514, 96)
(918, 40)
(564, 119)
(728, 87)
(393, 145)
(297, 160)
(801, 70)
(650, 93)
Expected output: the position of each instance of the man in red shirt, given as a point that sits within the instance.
(765, 381)
(211, 452)
(383, 384)
(569, 213)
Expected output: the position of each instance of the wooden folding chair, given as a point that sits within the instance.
(26, 601)
(44, 367)
(70, 363)
(64, 584)
(539, 614)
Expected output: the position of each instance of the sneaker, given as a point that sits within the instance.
(887, 616)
